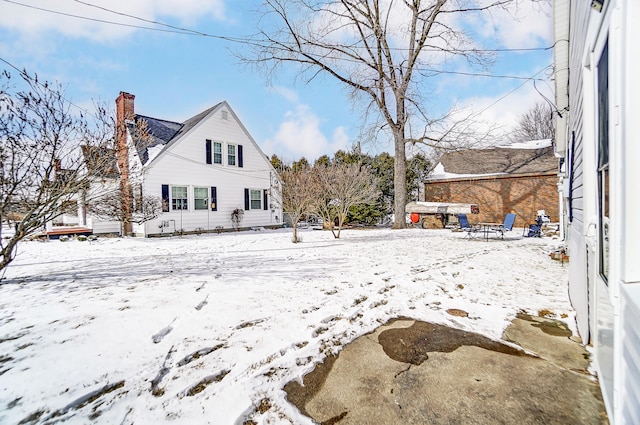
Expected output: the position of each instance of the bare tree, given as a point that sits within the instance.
(110, 207)
(384, 51)
(298, 191)
(43, 168)
(535, 124)
(339, 187)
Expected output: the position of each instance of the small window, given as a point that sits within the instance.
(231, 155)
(178, 198)
(224, 114)
(256, 199)
(217, 153)
(201, 200)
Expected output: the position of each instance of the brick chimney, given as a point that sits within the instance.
(125, 113)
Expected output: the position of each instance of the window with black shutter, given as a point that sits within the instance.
(246, 199)
(240, 159)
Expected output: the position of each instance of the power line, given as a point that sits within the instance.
(140, 19)
(513, 90)
(175, 31)
(472, 74)
(243, 40)
(28, 77)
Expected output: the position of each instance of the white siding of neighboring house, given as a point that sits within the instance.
(184, 164)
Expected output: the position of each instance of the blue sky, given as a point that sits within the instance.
(175, 76)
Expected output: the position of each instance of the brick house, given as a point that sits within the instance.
(521, 179)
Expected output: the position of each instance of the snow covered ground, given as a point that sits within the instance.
(208, 329)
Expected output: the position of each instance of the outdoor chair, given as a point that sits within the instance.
(535, 230)
(506, 226)
(465, 226)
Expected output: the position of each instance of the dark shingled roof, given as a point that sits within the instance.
(163, 132)
(500, 160)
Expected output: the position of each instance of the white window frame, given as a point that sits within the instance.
(204, 206)
(230, 155)
(259, 199)
(217, 155)
(181, 206)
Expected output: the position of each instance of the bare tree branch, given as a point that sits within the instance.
(44, 168)
(338, 187)
(535, 124)
(381, 50)
(297, 195)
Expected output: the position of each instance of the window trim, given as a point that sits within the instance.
(217, 155)
(173, 199)
(603, 170)
(257, 192)
(205, 205)
(235, 155)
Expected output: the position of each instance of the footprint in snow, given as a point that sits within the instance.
(202, 303)
(159, 336)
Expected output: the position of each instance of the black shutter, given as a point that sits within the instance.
(165, 198)
(214, 198)
(246, 199)
(208, 151)
(265, 199)
(240, 162)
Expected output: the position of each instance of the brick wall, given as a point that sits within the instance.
(497, 196)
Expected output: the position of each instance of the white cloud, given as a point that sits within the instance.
(524, 24)
(287, 93)
(299, 135)
(503, 111)
(32, 20)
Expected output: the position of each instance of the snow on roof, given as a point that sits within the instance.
(439, 173)
(531, 144)
(520, 158)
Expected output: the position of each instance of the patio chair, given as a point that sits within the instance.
(535, 230)
(465, 226)
(506, 226)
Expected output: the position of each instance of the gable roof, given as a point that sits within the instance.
(161, 133)
(495, 161)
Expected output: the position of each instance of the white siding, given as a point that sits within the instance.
(610, 309)
(578, 281)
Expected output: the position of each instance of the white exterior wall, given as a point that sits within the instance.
(184, 164)
(607, 311)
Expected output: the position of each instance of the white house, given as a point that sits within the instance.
(202, 169)
(597, 65)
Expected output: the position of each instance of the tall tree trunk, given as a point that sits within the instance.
(399, 181)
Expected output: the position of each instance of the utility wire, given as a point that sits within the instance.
(473, 74)
(532, 78)
(71, 15)
(28, 77)
(241, 40)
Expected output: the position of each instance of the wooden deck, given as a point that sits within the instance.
(55, 233)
